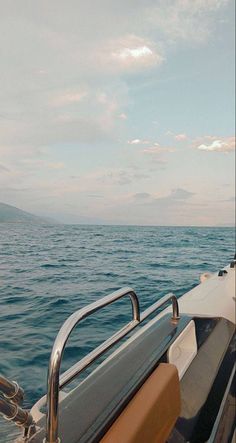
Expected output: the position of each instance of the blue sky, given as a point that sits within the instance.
(119, 113)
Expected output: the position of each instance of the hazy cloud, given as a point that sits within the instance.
(122, 116)
(180, 194)
(153, 148)
(141, 195)
(186, 20)
(231, 199)
(175, 196)
(121, 176)
(68, 98)
(71, 74)
(157, 149)
(181, 137)
(3, 168)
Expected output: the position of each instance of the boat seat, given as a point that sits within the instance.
(151, 414)
(196, 387)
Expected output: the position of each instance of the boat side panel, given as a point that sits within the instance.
(87, 413)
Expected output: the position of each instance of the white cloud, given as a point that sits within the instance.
(153, 148)
(135, 52)
(178, 137)
(226, 144)
(137, 141)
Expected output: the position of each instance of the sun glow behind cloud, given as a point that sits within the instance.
(142, 51)
(133, 50)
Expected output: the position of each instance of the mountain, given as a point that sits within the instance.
(11, 214)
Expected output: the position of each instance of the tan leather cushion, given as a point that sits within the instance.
(151, 414)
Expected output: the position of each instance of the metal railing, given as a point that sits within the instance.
(55, 383)
(13, 412)
(11, 390)
(9, 404)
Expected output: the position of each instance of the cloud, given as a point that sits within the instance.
(32, 132)
(52, 95)
(39, 163)
(104, 99)
(175, 197)
(122, 116)
(157, 149)
(181, 137)
(180, 194)
(141, 196)
(186, 20)
(121, 176)
(3, 168)
(231, 199)
(154, 149)
(68, 98)
(55, 165)
(71, 76)
(226, 144)
(95, 195)
(134, 52)
(174, 208)
(138, 52)
(137, 141)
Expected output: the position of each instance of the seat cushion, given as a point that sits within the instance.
(152, 412)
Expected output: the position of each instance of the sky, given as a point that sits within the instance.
(118, 112)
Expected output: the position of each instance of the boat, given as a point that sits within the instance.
(171, 380)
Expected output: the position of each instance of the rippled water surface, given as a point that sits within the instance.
(48, 272)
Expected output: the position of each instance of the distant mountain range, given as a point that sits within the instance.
(11, 214)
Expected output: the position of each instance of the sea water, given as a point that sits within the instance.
(49, 271)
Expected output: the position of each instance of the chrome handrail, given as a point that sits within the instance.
(58, 348)
(55, 383)
(159, 304)
(76, 369)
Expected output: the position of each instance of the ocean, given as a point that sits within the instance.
(49, 271)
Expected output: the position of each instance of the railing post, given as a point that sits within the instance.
(175, 309)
